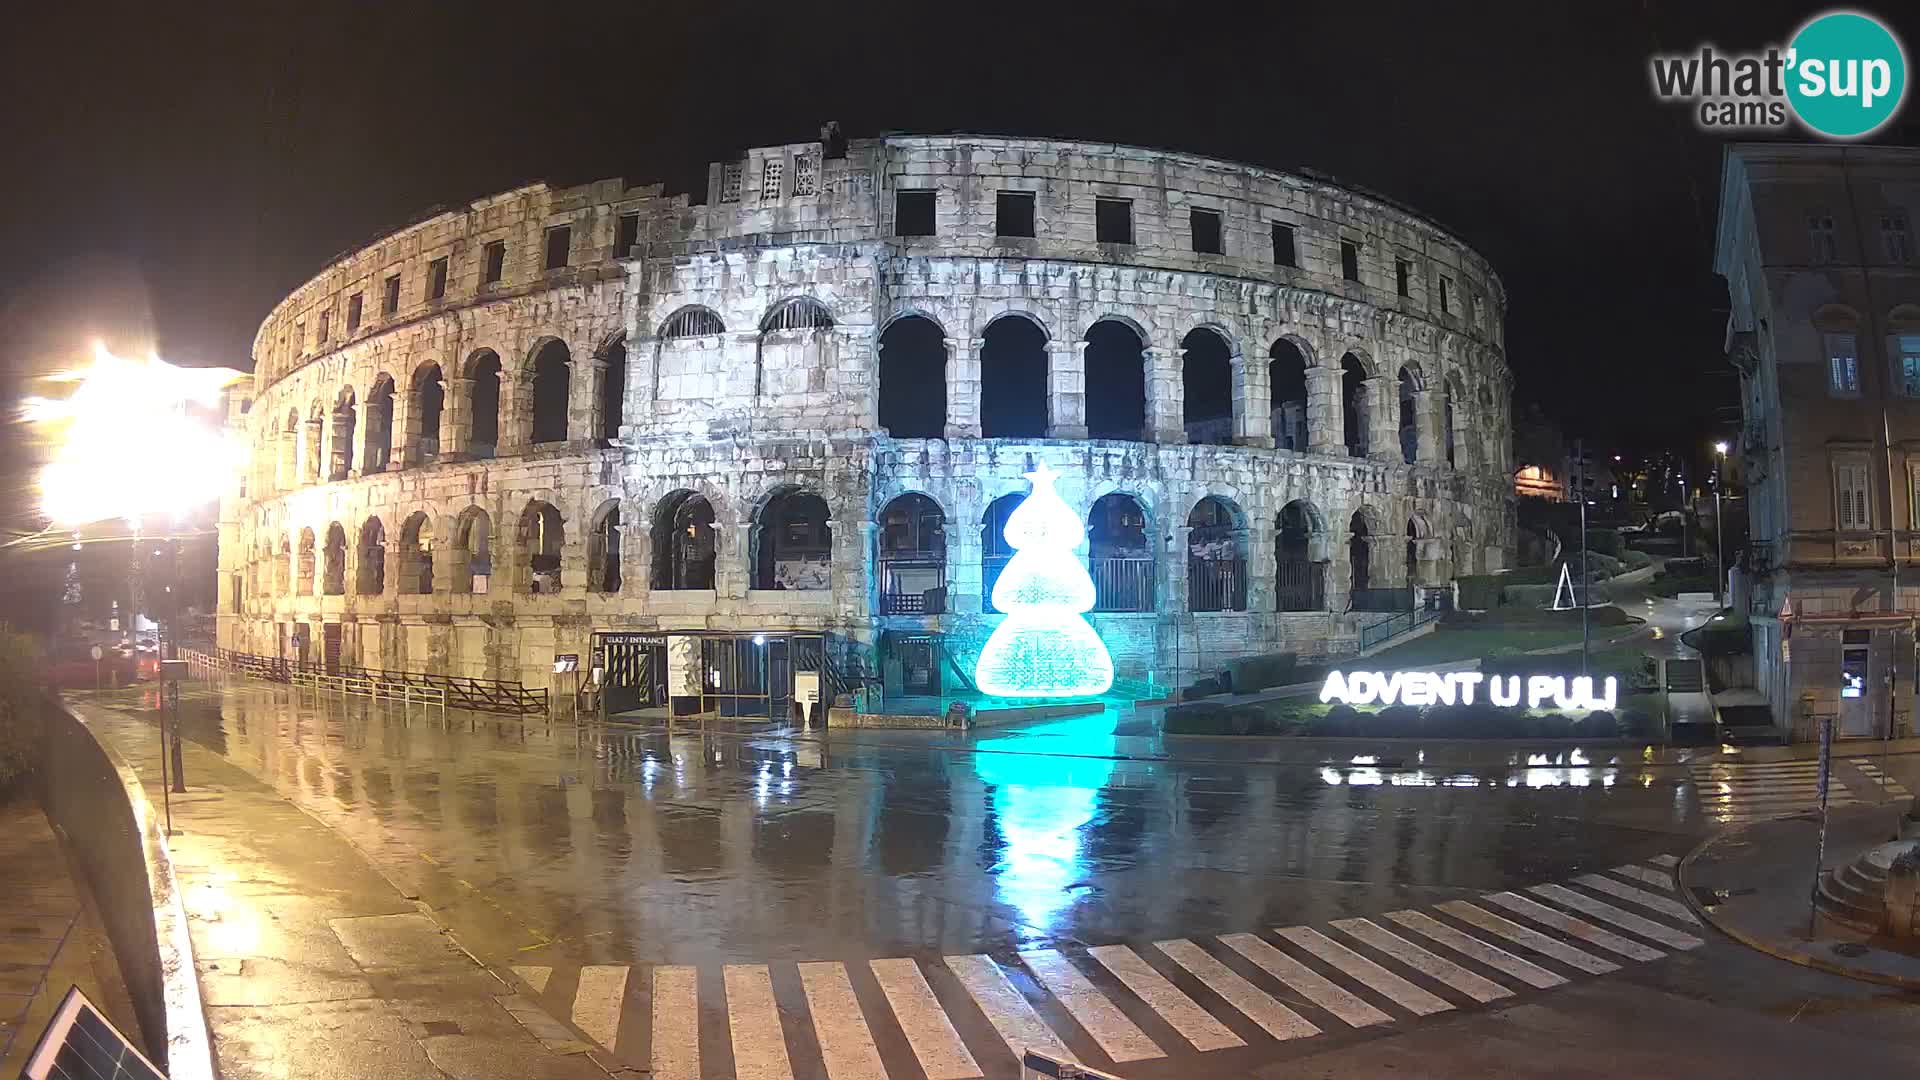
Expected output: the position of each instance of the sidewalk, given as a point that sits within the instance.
(311, 963)
(1760, 878)
(50, 939)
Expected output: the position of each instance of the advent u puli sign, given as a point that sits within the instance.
(1461, 687)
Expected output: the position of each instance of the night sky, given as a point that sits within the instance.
(177, 174)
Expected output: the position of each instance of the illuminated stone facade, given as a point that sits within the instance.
(1298, 391)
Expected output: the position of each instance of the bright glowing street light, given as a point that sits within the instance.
(1720, 448)
(126, 447)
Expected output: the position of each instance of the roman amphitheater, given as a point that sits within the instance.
(762, 442)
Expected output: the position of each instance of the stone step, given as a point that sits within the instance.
(1847, 908)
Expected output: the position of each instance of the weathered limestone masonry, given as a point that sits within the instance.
(555, 412)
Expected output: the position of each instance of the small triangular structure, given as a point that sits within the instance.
(536, 977)
(1564, 589)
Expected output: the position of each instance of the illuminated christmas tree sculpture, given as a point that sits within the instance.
(1044, 648)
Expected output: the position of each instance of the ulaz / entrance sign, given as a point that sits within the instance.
(1459, 687)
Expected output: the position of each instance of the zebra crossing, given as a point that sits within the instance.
(972, 1016)
(1737, 792)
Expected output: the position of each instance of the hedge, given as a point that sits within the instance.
(1247, 674)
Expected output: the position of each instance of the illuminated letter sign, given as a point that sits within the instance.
(1449, 687)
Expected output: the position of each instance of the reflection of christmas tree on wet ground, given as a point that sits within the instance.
(1045, 648)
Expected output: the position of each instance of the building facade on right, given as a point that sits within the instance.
(1816, 244)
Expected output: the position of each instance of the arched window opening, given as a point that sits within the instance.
(1416, 532)
(603, 552)
(1287, 380)
(1206, 381)
(429, 397)
(283, 578)
(693, 321)
(913, 379)
(1409, 417)
(372, 559)
(1448, 392)
(1216, 557)
(287, 472)
(483, 399)
(310, 451)
(798, 313)
(1359, 558)
(1120, 554)
(550, 378)
(1300, 558)
(340, 461)
(416, 555)
(995, 552)
(613, 391)
(913, 557)
(1013, 380)
(1116, 381)
(379, 425)
(541, 537)
(683, 552)
(794, 541)
(1353, 402)
(472, 554)
(303, 565)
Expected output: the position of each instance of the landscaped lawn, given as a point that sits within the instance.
(1449, 643)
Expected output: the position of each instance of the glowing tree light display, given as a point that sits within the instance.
(1044, 648)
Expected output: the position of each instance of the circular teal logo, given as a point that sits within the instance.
(1848, 74)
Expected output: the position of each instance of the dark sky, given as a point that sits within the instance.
(204, 165)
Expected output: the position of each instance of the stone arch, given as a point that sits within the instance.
(416, 555)
(1417, 531)
(612, 391)
(1301, 553)
(913, 362)
(283, 571)
(471, 551)
(548, 380)
(482, 372)
(792, 328)
(692, 320)
(1288, 359)
(1216, 555)
(792, 541)
(684, 542)
(370, 558)
(541, 540)
(1116, 379)
(1120, 552)
(1208, 386)
(340, 438)
(379, 437)
(1455, 429)
(995, 552)
(1355, 406)
(603, 548)
(427, 399)
(911, 555)
(1364, 535)
(796, 313)
(311, 453)
(1014, 381)
(1410, 385)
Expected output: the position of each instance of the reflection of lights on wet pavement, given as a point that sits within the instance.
(1040, 804)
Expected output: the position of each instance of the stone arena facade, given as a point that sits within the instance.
(796, 407)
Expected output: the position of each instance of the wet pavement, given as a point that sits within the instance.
(618, 870)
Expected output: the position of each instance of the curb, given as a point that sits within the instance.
(1760, 945)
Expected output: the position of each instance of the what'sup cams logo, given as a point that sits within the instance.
(1844, 75)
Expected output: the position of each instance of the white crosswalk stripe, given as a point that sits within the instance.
(1019, 1026)
(1372, 975)
(1194, 1024)
(1467, 945)
(1478, 988)
(759, 1046)
(1528, 938)
(1673, 909)
(1567, 924)
(1625, 920)
(1652, 877)
(1117, 1035)
(1305, 981)
(1882, 781)
(1109, 991)
(1738, 792)
(676, 1023)
(929, 1033)
(1665, 860)
(1254, 1003)
(846, 1043)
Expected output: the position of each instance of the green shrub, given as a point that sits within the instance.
(1605, 542)
(1480, 592)
(1529, 596)
(1250, 673)
(20, 708)
(1635, 560)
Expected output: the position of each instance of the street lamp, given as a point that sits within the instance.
(1719, 533)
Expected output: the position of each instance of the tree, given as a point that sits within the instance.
(1044, 648)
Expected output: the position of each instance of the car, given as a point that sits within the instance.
(71, 666)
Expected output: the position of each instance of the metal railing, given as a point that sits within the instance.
(1301, 586)
(1394, 625)
(483, 695)
(1122, 584)
(1390, 599)
(1216, 585)
(899, 599)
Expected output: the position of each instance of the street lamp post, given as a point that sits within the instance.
(1719, 533)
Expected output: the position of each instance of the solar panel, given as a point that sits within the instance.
(81, 1044)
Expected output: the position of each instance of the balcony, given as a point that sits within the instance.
(913, 584)
(1122, 584)
(1216, 585)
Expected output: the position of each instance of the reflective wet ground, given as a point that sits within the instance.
(693, 846)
